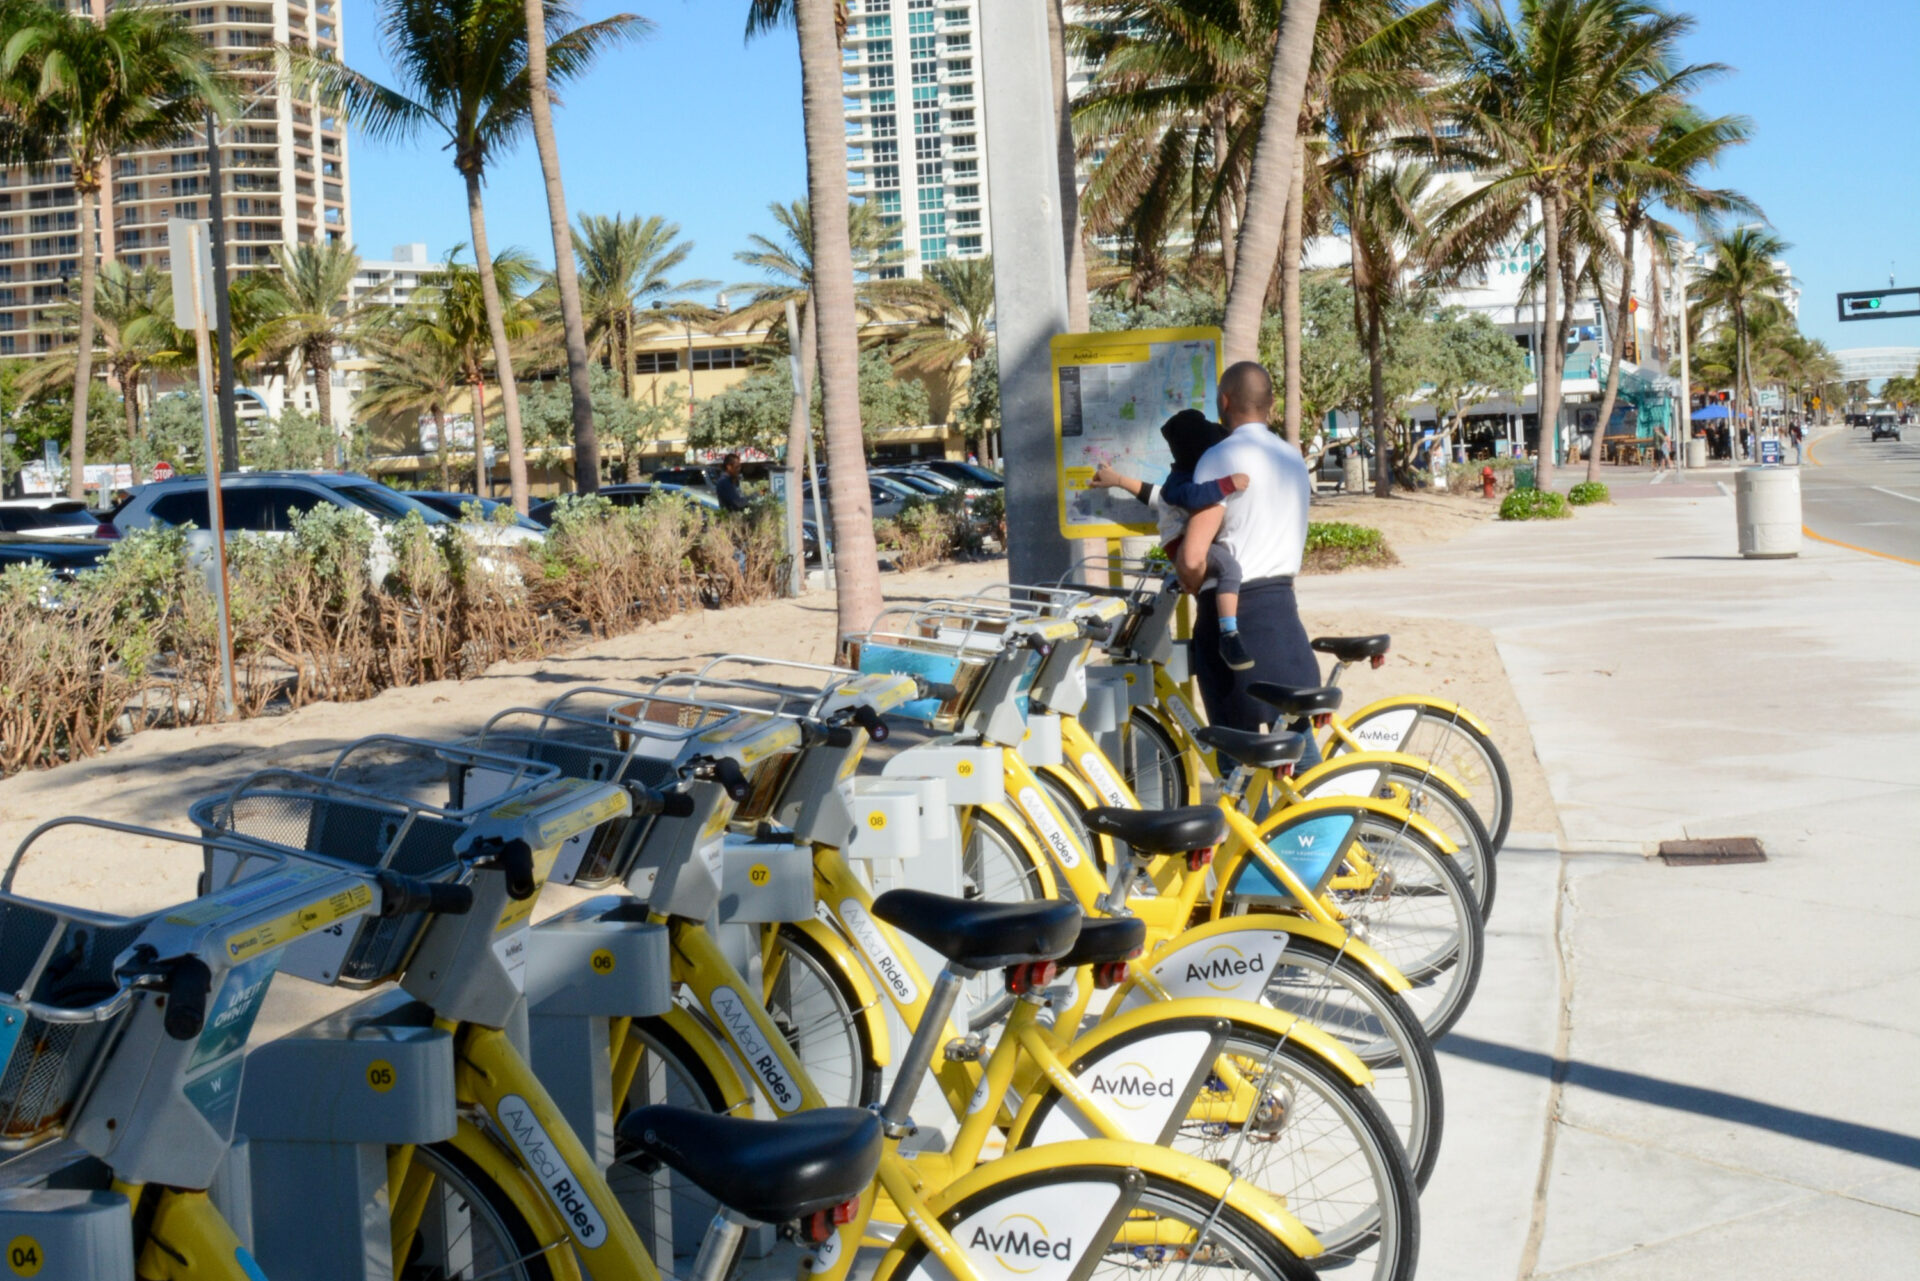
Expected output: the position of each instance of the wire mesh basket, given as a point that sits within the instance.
(63, 1006)
(1146, 633)
(951, 646)
(365, 827)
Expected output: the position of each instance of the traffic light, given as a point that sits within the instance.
(1880, 304)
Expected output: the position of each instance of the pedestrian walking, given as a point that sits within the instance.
(727, 487)
(1264, 527)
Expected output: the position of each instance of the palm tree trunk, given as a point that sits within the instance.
(1229, 207)
(799, 426)
(83, 354)
(1271, 176)
(1292, 248)
(502, 356)
(130, 405)
(1616, 348)
(586, 442)
(440, 435)
(1552, 345)
(480, 486)
(1377, 404)
(1066, 157)
(857, 555)
(320, 368)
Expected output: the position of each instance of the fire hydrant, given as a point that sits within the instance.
(1486, 482)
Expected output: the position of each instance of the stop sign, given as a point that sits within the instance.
(163, 471)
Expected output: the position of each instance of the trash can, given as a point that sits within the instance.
(1696, 452)
(1355, 477)
(1523, 476)
(1766, 507)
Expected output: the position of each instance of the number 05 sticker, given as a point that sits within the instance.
(380, 1076)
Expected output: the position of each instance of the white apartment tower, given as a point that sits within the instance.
(283, 171)
(915, 146)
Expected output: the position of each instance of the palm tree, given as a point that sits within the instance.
(1268, 178)
(453, 312)
(837, 318)
(1388, 212)
(88, 89)
(133, 311)
(1665, 173)
(1743, 281)
(957, 297)
(787, 263)
(586, 443)
(1066, 158)
(463, 72)
(412, 376)
(315, 286)
(1545, 101)
(626, 265)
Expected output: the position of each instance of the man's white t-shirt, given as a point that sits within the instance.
(1265, 526)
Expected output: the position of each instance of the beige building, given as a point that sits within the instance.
(283, 171)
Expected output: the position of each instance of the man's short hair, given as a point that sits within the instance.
(730, 458)
(1249, 386)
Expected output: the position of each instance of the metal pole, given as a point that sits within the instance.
(800, 423)
(1686, 370)
(223, 319)
(819, 516)
(1029, 276)
(216, 505)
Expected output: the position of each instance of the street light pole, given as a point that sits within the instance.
(222, 312)
(1686, 372)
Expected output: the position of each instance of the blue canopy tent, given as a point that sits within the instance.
(1709, 413)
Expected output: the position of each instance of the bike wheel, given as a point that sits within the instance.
(1447, 809)
(1342, 998)
(1225, 1244)
(818, 1009)
(471, 1228)
(1418, 913)
(669, 1211)
(1313, 1140)
(1472, 760)
(1153, 764)
(1071, 809)
(995, 867)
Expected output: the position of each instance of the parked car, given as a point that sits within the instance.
(67, 557)
(1885, 424)
(889, 498)
(454, 506)
(625, 496)
(971, 475)
(684, 477)
(266, 503)
(928, 485)
(48, 518)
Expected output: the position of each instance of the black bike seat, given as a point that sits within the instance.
(1256, 751)
(771, 1171)
(982, 935)
(1351, 649)
(1295, 701)
(1106, 939)
(1174, 831)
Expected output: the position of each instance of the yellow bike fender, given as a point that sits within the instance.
(188, 1239)
(1439, 705)
(1021, 830)
(513, 1179)
(871, 1009)
(1331, 936)
(1077, 788)
(1360, 760)
(705, 1042)
(1213, 1183)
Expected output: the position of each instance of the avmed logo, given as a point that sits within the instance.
(1020, 1243)
(1221, 967)
(1131, 1085)
(745, 1034)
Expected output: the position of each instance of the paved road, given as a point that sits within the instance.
(1865, 493)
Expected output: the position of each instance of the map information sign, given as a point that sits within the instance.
(1111, 393)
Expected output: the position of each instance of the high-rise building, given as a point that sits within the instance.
(915, 146)
(283, 173)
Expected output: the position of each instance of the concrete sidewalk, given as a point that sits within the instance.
(1689, 1072)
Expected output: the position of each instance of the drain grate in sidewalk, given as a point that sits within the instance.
(1722, 849)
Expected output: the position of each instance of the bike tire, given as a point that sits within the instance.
(1449, 810)
(1338, 1136)
(1236, 1238)
(996, 866)
(1153, 764)
(841, 1060)
(1464, 752)
(672, 1073)
(492, 1237)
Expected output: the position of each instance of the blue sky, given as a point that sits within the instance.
(696, 126)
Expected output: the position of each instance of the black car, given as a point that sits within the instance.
(971, 475)
(624, 496)
(1885, 425)
(67, 557)
(454, 506)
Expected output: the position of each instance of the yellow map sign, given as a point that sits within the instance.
(1111, 392)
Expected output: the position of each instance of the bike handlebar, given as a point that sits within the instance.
(514, 858)
(404, 895)
(869, 720)
(188, 981)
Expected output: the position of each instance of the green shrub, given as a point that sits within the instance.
(1534, 504)
(1336, 545)
(1588, 492)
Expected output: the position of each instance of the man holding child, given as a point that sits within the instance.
(1246, 527)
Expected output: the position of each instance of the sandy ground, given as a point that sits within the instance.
(152, 778)
(1406, 519)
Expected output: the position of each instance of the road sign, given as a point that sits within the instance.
(163, 470)
(1880, 304)
(1770, 452)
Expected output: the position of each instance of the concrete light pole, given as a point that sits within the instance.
(1686, 373)
(1029, 276)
